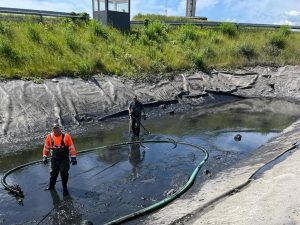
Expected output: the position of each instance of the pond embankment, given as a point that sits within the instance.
(28, 109)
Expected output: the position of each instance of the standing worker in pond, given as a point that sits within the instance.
(60, 146)
(136, 109)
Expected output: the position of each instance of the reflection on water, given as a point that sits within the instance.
(112, 182)
(136, 157)
(64, 210)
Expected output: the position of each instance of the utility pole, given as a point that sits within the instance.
(191, 8)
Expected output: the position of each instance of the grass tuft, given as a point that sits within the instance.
(229, 29)
(247, 50)
(10, 53)
(34, 34)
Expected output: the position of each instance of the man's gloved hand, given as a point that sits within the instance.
(144, 117)
(73, 161)
(45, 160)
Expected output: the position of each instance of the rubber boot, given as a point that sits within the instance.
(51, 185)
(64, 168)
(53, 174)
(65, 192)
(138, 133)
(64, 184)
(49, 188)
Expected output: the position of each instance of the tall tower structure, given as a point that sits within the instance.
(191, 8)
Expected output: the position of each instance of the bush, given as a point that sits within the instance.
(84, 70)
(81, 17)
(188, 32)
(199, 62)
(146, 22)
(156, 31)
(285, 31)
(229, 29)
(247, 50)
(277, 41)
(98, 29)
(5, 30)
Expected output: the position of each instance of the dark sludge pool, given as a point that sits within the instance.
(115, 181)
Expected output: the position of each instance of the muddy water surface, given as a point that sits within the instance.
(113, 182)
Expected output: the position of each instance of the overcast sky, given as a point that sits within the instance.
(253, 11)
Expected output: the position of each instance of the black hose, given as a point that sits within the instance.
(14, 188)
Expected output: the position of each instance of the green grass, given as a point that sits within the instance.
(73, 48)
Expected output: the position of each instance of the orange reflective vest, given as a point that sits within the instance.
(56, 143)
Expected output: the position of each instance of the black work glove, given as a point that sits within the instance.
(45, 160)
(144, 117)
(73, 161)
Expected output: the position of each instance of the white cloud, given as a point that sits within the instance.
(293, 13)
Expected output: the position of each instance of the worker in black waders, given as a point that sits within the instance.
(136, 109)
(60, 147)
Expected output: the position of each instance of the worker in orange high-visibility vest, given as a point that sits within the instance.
(60, 147)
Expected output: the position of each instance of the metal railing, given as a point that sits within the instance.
(41, 13)
(216, 24)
